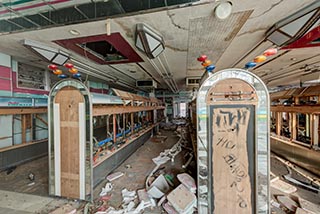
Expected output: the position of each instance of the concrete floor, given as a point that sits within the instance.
(136, 168)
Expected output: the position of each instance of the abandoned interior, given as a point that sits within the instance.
(159, 106)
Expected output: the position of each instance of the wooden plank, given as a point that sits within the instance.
(69, 99)
(104, 110)
(23, 128)
(42, 120)
(4, 111)
(305, 109)
(294, 126)
(22, 145)
(232, 188)
(278, 123)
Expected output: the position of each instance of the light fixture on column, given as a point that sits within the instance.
(223, 10)
(293, 27)
(148, 41)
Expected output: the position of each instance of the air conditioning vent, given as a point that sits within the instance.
(146, 83)
(193, 81)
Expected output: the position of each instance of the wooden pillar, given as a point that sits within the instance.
(124, 124)
(315, 133)
(278, 123)
(114, 128)
(307, 125)
(24, 128)
(294, 126)
(290, 115)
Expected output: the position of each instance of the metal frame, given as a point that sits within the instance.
(262, 165)
(88, 111)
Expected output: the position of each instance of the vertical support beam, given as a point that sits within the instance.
(290, 123)
(114, 128)
(307, 125)
(124, 124)
(132, 120)
(294, 126)
(296, 101)
(82, 151)
(24, 128)
(108, 124)
(315, 132)
(278, 123)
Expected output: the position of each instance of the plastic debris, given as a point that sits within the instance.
(128, 196)
(282, 186)
(114, 176)
(182, 200)
(106, 189)
(188, 182)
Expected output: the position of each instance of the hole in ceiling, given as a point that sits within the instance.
(103, 50)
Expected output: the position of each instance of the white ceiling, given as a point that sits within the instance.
(187, 32)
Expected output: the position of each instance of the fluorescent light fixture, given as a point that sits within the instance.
(293, 27)
(223, 10)
(148, 41)
(50, 54)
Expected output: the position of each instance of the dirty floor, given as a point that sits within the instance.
(136, 168)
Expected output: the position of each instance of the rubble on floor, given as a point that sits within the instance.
(288, 198)
(160, 189)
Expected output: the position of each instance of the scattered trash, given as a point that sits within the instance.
(302, 211)
(106, 189)
(188, 182)
(72, 211)
(114, 176)
(160, 202)
(31, 176)
(159, 187)
(169, 209)
(31, 184)
(275, 204)
(288, 203)
(308, 206)
(188, 161)
(182, 200)
(282, 186)
(300, 183)
(128, 196)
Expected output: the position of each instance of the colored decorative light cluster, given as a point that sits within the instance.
(59, 72)
(261, 58)
(206, 63)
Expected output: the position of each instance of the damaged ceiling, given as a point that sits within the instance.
(189, 28)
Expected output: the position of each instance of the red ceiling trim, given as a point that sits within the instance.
(115, 39)
(305, 41)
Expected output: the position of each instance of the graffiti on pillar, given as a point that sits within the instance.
(232, 188)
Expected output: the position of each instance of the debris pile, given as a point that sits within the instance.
(176, 195)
